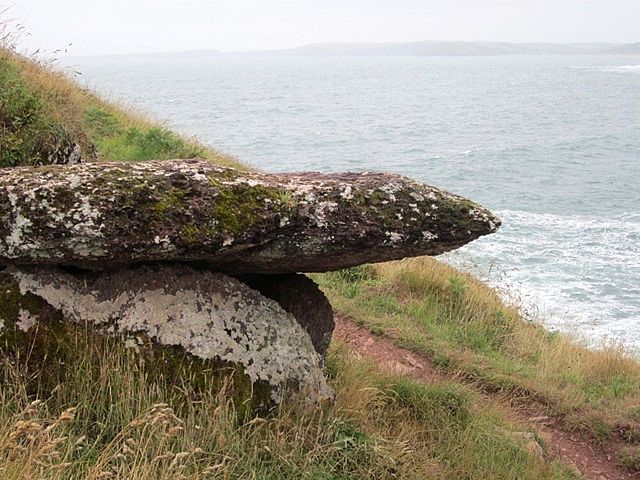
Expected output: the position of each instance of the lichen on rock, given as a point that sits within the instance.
(300, 296)
(112, 215)
(207, 315)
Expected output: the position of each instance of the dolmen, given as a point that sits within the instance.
(204, 262)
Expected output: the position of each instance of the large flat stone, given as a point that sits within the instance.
(111, 215)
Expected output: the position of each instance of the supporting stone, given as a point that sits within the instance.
(207, 315)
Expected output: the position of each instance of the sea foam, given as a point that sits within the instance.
(574, 273)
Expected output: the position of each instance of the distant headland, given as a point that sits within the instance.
(432, 49)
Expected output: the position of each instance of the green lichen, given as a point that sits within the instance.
(374, 200)
(370, 197)
(198, 234)
(170, 201)
(454, 211)
(237, 207)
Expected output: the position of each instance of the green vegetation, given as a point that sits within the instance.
(630, 458)
(465, 328)
(42, 110)
(27, 134)
(117, 139)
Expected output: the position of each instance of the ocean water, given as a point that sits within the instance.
(551, 144)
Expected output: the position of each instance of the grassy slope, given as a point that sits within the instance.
(38, 104)
(464, 326)
(126, 426)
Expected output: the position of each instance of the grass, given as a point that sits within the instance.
(119, 424)
(41, 106)
(465, 327)
(630, 458)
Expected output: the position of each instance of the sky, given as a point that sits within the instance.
(140, 26)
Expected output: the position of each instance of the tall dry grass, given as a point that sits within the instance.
(107, 419)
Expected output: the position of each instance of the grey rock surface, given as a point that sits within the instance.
(209, 315)
(111, 215)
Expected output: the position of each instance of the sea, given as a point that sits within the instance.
(549, 143)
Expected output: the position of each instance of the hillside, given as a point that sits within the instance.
(628, 49)
(436, 49)
(417, 49)
(486, 379)
(43, 112)
(450, 48)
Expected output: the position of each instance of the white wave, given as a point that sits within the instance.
(608, 68)
(622, 69)
(576, 273)
(622, 220)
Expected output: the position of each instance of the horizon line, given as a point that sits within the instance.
(358, 43)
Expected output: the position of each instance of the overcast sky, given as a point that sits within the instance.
(115, 26)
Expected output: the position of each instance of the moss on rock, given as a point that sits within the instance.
(110, 215)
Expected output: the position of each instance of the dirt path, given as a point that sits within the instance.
(593, 460)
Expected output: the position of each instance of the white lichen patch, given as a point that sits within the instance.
(483, 216)
(347, 192)
(428, 236)
(18, 229)
(25, 321)
(74, 181)
(35, 201)
(390, 190)
(251, 182)
(394, 237)
(211, 316)
(304, 192)
(1, 324)
(322, 211)
(416, 196)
